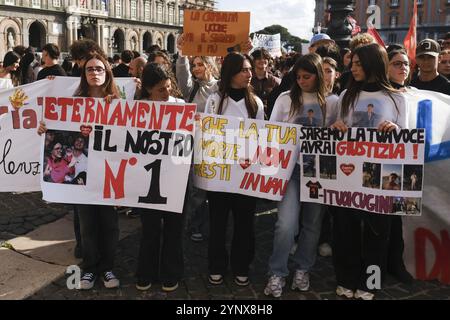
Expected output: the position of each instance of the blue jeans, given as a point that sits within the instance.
(286, 229)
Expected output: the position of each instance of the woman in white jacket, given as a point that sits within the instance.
(305, 104)
(235, 98)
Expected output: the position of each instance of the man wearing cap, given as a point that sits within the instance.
(427, 57)
(320, 39)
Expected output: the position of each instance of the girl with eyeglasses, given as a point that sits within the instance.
(361, 238)
(398, 69)
(98, 223)
(399, 75)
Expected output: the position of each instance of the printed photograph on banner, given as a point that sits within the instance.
(313, 189)
(367, 118)
(327, 166)
(413, 206)
(371, 175)
(309, 166)
(392, 177)
(408, 206)
(412, 177)
(399, 205)
(66, 156)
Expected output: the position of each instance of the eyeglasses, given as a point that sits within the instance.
(98, 70)
(399, 64)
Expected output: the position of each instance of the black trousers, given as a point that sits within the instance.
(99, 226)
(395, 263)
(76, 226)
(243, 243)
(360, 240)
(161, 262)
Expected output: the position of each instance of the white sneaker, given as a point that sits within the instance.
(301, 280)
(364, 295)
(275, 286)
(325, 250)
(341, 291)
(110, 281)
(87, 281)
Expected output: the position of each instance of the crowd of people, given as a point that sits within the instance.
(327, 87)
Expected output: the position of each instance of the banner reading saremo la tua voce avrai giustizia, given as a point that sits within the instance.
(19, 118)
(363, 169)
(244, 156)
(124, 153)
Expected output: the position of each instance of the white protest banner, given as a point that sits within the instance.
(427, 238)
(123, 153)
(363, 169)
(19, 119)
(272, 43)
(245, 156)
(430, 110)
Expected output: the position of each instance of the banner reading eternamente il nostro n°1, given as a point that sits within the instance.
(124, 153)
(19, 119)
(363, 169)
(245, 156)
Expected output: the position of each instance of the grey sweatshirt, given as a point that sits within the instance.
(186, 84)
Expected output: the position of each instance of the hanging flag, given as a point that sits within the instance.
(410, 41)
(355, 27)
(374, 33)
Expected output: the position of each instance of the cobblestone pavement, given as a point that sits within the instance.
(21, 213)
(195, 285)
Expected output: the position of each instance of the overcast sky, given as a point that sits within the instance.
(295, 15)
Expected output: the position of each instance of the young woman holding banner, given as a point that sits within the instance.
(98, 224)
(361, 238)
(197, 81)
(308, 93)
(234, 98)
(159, 261)
(399, 72)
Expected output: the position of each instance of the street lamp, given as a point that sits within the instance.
(340, 28)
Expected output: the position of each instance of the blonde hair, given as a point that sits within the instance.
(361, 39)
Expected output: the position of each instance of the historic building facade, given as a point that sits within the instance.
(115, 24)
(394, 17)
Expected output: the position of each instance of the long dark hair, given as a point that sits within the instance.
(393, 53)
(374, 61)
(108, 88)
(231, 66)
(152, 74)
(311, 63)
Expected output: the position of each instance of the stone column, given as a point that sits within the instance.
(25, 33)
(74, 30)
(69, 34)
(340, 28)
